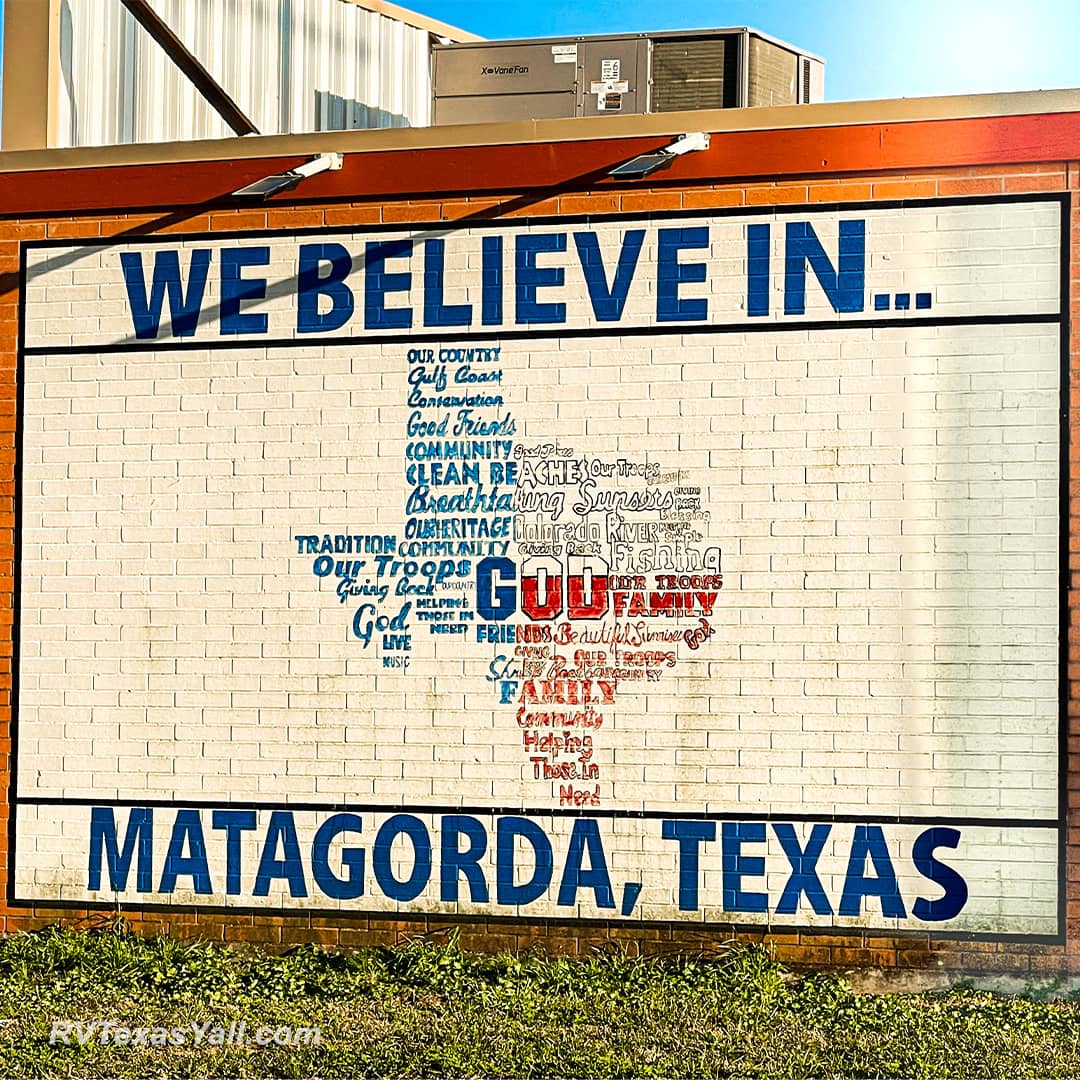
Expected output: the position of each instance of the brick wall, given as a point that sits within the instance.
(821, 946)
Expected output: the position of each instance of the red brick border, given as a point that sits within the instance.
(804, 947)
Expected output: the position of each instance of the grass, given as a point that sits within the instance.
(426, 1009)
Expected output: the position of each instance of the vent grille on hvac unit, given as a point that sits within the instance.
(691, 73)
(805, 80)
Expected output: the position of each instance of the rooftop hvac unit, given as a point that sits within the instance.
(541, 78)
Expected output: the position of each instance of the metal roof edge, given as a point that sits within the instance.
(415, 19)
(715, 121)
(691, 32)
(785, 44)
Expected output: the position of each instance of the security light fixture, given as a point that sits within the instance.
(647, 164)
(262, 189)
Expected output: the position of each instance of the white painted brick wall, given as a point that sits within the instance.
(886, 500)
(52, 866)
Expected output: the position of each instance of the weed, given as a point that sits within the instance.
(432, 1009)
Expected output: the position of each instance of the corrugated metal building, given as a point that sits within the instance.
(291, 65)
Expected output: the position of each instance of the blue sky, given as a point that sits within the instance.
(908, 49)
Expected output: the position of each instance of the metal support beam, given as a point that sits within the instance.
(189, 64)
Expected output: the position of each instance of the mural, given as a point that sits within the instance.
(696, 568)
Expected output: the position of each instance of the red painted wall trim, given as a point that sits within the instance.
(734, 156)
